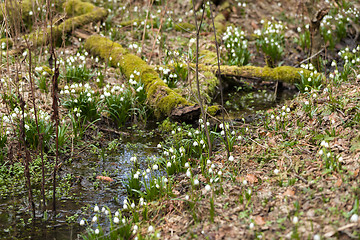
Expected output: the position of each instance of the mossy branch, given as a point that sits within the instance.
(13, 9)
(164, 101)
(42, 37)
(283, 74)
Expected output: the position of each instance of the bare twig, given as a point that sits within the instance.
(203, 115)
(27, 156)
(158, 32)
(145, 24)
(309, 58)
(55, 106)
(219, 78)
(300, 178)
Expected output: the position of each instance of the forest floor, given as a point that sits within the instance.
(294, 169)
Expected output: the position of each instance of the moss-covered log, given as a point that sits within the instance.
(283, 74)
(164, 101)
(40, 38)
(184, 27)
(26, 9)
(43, 37)
(77, 7)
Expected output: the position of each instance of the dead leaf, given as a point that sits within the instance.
(356, 172)
(289, 193)
(259, 220)
(105, 179)
(251, 178)
(338, 182)
(254, 25)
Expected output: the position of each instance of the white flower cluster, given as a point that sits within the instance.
(240, 4)
(270, 28)
(4, 82)
(233, 38)
(132, 80)
(135, 47)
(233, 33)
(282, 114)
(111, 90)
(78, 88)
(3, 45)
(167, 76)
(236, 46)
(308, 66)
(352, 56)
(78, 58)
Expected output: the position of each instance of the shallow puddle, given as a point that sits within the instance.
(244, 104)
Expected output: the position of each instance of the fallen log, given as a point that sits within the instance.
(164, 101)
(283, 74)
(43, 37)
(77, 7)
(39, 38)
(27, 10)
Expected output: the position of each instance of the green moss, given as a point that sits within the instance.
(220, 24)
(171, 101)
(46, 69)
(224, 6)
(26, 6)
(166, 126)
(159, 96)
(184, 27)
(213, 110)
(208, 57)
(129, 23)
(40, 38)
(219, 18)
(77, 7)
(284, 73)
(211, 82)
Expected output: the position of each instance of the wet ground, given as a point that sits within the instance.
(85, 191)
